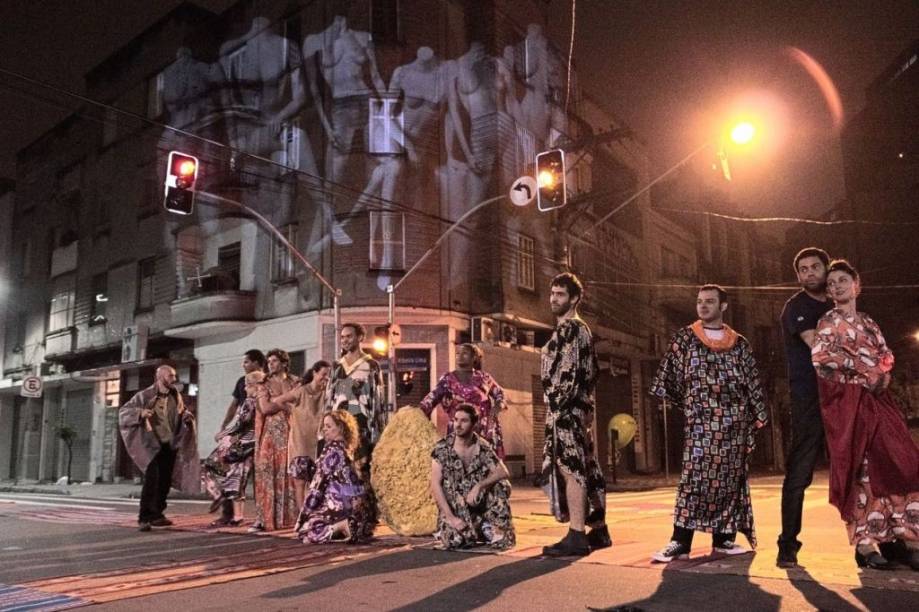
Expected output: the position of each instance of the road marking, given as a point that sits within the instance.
(23, 502)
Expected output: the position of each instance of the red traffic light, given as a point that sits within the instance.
(181, 174)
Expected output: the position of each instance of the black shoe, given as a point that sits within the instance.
(161, 522)
(912, 560)
(599, 538)
(673, 550)
(787, 557)
(143, 526)
(574, 544)
(873, 560)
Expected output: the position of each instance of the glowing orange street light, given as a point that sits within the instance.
(916, 336)
(743, 133)
(546, 179)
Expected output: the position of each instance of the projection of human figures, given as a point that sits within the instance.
(259, 68)
(188, 85)
(534, 108)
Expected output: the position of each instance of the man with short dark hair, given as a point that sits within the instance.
(710, 374)
(470, 485)
(799, 322)
(159, 435)
(570, 470)
(356, 385)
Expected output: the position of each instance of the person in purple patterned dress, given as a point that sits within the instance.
(338, 505)
(469, 384)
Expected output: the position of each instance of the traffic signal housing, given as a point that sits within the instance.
(551, 192)
(181, 176)
(405, 384)
(381, 340)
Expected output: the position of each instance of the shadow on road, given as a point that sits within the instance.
(818, 595)
(483, 588)
(383, 564)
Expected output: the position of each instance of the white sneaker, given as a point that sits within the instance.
(674, 550)
(730, 548)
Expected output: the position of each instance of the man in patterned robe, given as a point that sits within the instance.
(356, 385)
(570, 470)
(710, 373)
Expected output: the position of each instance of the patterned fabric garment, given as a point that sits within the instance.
(275, 506)
(226, 469)
(302, 468)
(336, 494)
(720, 394)
(850, 349)
(358, 388)
(488, 523)
(482, 391)
(883, 519)
(569, 375)
(305, 422)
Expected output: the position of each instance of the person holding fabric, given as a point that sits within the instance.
(470, 485)
(159, 435)
(577, 489)
(305, 421)
(274, 498)
(469, 384)
(228, 467)
(874, 463)
(338, 505)
(709, 372)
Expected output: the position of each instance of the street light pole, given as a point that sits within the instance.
(391, 290)
(336, 293)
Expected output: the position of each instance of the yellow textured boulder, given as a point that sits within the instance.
(401, 473)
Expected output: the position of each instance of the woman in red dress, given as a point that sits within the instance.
(874, 463)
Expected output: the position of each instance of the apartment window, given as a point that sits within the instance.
(297, 364)
(99, 301)
(386, 125)
(526, 262)
(155, 87)
(109, 127)
(60, 310)
(282, 261)
(387, 241)
(384, 21)
(674, 265)
(291, 134)
(228, 260)
(146, 277)
(113, 393)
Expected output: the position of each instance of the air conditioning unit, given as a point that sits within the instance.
(509, 333)
(484, 330)
(134, 343)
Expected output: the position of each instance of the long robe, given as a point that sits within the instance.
(275, 506)
(717, 386)
(143, 445)
(481, 391)
(227, 468)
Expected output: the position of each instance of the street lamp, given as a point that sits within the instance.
(743, 133)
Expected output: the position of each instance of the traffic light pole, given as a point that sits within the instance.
(336, 293)
(391, 290)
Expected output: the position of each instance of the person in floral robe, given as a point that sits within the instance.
(469, 384)
(874, 462)
(570, 472)
(709, 373)
(338, 504)
(226, 469)
(470, 485)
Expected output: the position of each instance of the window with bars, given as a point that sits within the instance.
(386, 126)
(155, 86)
(99, 300)
(526, 262)
(61, 308)
(146, 281)
(283, 266)
(228, 260)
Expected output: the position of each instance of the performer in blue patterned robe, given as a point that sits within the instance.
(709, 372)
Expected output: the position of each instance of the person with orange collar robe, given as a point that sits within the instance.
(710, 373)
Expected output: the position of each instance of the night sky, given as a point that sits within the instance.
(671, 73)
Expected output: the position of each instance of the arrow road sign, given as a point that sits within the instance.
(523, 191)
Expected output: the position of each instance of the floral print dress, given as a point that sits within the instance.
(717, 386)
(275, 506)
(874, 463)
(226, 469)
(336, 494)
(488, 523)
(481, 391)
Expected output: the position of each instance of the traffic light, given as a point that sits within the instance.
(381, 340)
(181, 174)
(550, 180)
(405, 384)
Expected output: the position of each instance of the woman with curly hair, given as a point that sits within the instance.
(338, 505)
(874, 463)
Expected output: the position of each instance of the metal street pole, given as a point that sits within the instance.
(336, 293)
(391, 290)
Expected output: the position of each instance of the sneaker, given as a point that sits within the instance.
(599, 538)
(574, 544)
(674, 550)
(256, 528)
(143, 526)
(728, 547)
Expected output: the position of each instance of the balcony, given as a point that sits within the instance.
(212, 313)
